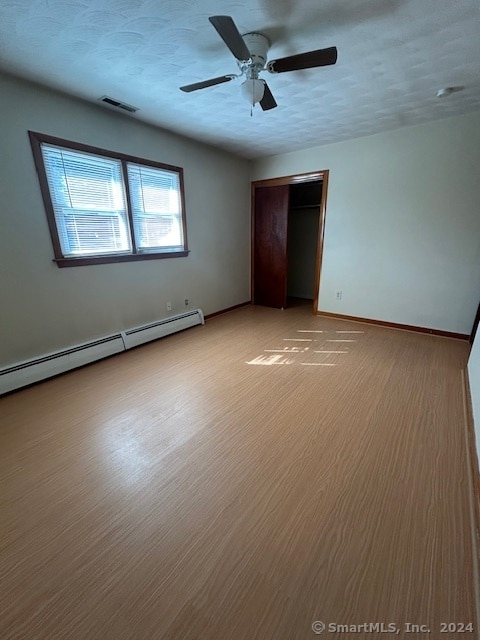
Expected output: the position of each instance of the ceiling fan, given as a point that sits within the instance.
(251, 51)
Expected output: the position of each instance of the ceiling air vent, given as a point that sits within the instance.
(119, 105)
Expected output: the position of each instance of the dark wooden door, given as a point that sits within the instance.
(270, 221)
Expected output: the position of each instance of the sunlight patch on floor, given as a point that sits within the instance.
(309, 331)
(269, 360)
(317, 364)
(320, 340)
(330, 352)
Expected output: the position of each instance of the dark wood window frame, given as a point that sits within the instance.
(36, 140)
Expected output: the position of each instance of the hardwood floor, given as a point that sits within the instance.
(240, 481)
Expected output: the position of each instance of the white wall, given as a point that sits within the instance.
(42, 307)
(402, 237)
(474, 379)
(474, 376)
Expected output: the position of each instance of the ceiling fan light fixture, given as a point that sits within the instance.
(252, 90)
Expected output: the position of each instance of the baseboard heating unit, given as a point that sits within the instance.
(24, 373)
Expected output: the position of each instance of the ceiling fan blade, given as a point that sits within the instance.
(268, 101)
(229, 33)
(206, 83)
(309, 60)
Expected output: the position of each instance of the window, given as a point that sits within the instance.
(108, 207)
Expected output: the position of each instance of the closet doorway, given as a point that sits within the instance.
(288, 221)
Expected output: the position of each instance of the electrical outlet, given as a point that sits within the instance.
(338, 295)
(169, 306)
(186, 302)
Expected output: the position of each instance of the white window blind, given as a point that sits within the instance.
(156, 208)
(88, 200)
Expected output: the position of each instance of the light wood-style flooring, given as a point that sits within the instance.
(240, 481)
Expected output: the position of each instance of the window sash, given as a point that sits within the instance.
(156, 208)
(108, 207)
(89, 203)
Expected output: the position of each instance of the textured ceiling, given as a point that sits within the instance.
(393, 55)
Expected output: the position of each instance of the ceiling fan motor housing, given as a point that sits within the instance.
(258, 45)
